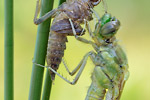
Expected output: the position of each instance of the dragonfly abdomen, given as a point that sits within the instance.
(95, 92)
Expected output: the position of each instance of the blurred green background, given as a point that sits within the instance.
(134, 36)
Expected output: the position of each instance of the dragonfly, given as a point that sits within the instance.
(71, 13)
(111, 65)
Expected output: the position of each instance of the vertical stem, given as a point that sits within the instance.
(8, 49)
(40, 53)
(47, 87)
(61, 1)
(47, 83)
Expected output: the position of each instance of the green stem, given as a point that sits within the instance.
(61, 1)
(40, 53)
(8, 49)
(47, 85)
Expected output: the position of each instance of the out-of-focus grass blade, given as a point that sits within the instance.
(8, 51)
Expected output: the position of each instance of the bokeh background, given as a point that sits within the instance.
(134, 36)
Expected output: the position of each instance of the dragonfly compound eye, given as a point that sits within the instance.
(109, 29)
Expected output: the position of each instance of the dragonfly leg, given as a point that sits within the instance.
(74, 71)
(37, 10)
(77, 37)
(96, 14)
(89, 29)
(92, 35)
(92, 56)
(49, 68)
(83, 27)
(44, 17)
(80, 66)
(105, 5)
(82, 63)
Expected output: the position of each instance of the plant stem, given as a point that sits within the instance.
(61, 1)
(8, 49)
(40, 53)
(47, 85)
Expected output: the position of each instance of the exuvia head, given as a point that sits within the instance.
(91, 3)
(95, 2)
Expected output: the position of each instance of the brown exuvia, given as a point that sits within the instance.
(78, 11)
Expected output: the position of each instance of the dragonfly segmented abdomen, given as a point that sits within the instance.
(95, 92)
(97, 88)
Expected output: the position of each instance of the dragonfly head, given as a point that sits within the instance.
(109, 26)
